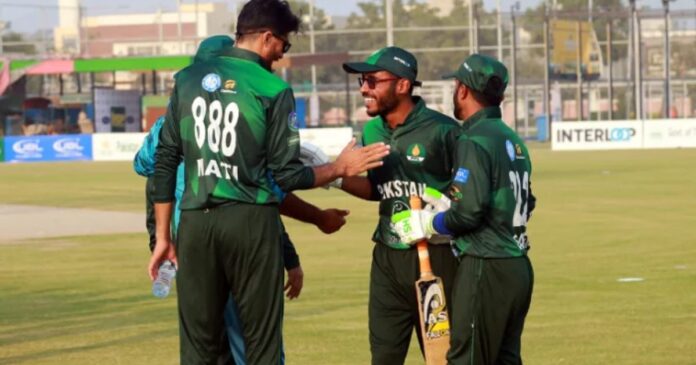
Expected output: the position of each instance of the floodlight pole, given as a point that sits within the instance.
(389, 11)
(314, 97)
(499, 29)
(667, 103)
(513, 38)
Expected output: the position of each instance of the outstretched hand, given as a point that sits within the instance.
(355, 160)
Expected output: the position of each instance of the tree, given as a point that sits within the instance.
(17, 44)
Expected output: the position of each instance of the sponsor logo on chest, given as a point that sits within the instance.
(415, 153)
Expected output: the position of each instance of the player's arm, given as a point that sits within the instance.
(167, 158)
(293, 285)
(327, 220)
(359, 186)
(471, 177)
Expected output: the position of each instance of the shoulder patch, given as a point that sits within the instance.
(292, 121)
(462, 175)
(211, 82)
(510, 148)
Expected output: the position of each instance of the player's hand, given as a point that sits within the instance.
(331, 220)
(355, 160)
(293, 286)
(164, 250)
(436, 202)
(311, 155)
(413, 225)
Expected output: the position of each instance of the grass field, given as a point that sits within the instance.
(601, 216)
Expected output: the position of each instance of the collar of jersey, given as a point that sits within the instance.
(491, 112)
(412, 117)
(243, 54)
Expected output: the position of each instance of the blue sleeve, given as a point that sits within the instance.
(144, 161)
(178, 193)
(277, 191)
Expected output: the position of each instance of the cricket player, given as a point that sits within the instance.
(422, 145)
(232, 121)
(328, 221)
(491, 204)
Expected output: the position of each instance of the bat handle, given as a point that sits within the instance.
(422, 245)
(424, 258)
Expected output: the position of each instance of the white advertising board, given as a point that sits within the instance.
(613, 135)
(330, 140)
(116, 146)
(674, 133)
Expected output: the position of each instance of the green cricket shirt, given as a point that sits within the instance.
(232, 121)
(421, 155)
(491, 189)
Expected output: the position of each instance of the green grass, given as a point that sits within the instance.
(601, 216)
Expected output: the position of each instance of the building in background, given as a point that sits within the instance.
(159, 33)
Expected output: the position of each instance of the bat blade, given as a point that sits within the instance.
(434, 320)
(432, 305)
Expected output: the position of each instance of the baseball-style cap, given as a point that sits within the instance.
(477, 70)
(393, 59)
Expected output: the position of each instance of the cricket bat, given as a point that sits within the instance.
(432, 306)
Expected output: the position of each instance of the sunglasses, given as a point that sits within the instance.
(372, 81)
(286, 43)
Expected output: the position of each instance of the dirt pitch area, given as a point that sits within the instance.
(20, 222)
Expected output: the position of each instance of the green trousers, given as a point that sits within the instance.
(235, 249)
(393, 308)
(490, 301)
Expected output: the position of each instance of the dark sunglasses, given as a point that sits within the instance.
(286, 43)
(372, 82)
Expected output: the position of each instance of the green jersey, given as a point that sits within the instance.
(491, 189)
(421, 155)
(232, 121)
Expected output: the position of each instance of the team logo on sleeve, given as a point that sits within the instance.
(415, 153)
(462, 175)
(292, 121)
(510, 150)
(211, 82)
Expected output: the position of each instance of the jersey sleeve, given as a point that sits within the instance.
(144, 161)
(168, 154)
(471, 177)
(283, 145)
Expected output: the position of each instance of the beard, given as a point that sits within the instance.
(385, 104)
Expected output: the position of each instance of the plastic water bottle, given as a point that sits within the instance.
(163, 283)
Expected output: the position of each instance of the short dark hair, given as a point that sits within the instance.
(491, 95)
(273, 15)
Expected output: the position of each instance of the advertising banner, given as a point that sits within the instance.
(330, 140)
(117, 110)
(116, 146)
(614, 135)
(48, 148)
(674, 133)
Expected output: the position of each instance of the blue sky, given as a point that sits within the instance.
(25, 17)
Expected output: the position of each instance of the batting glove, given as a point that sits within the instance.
(413, 225)
(312, 155)
(436, 202)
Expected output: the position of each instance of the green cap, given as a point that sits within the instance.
(477, 70)
(393, 59)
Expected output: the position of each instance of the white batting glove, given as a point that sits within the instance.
(312, 155)
(436, 202)
(413, 225)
